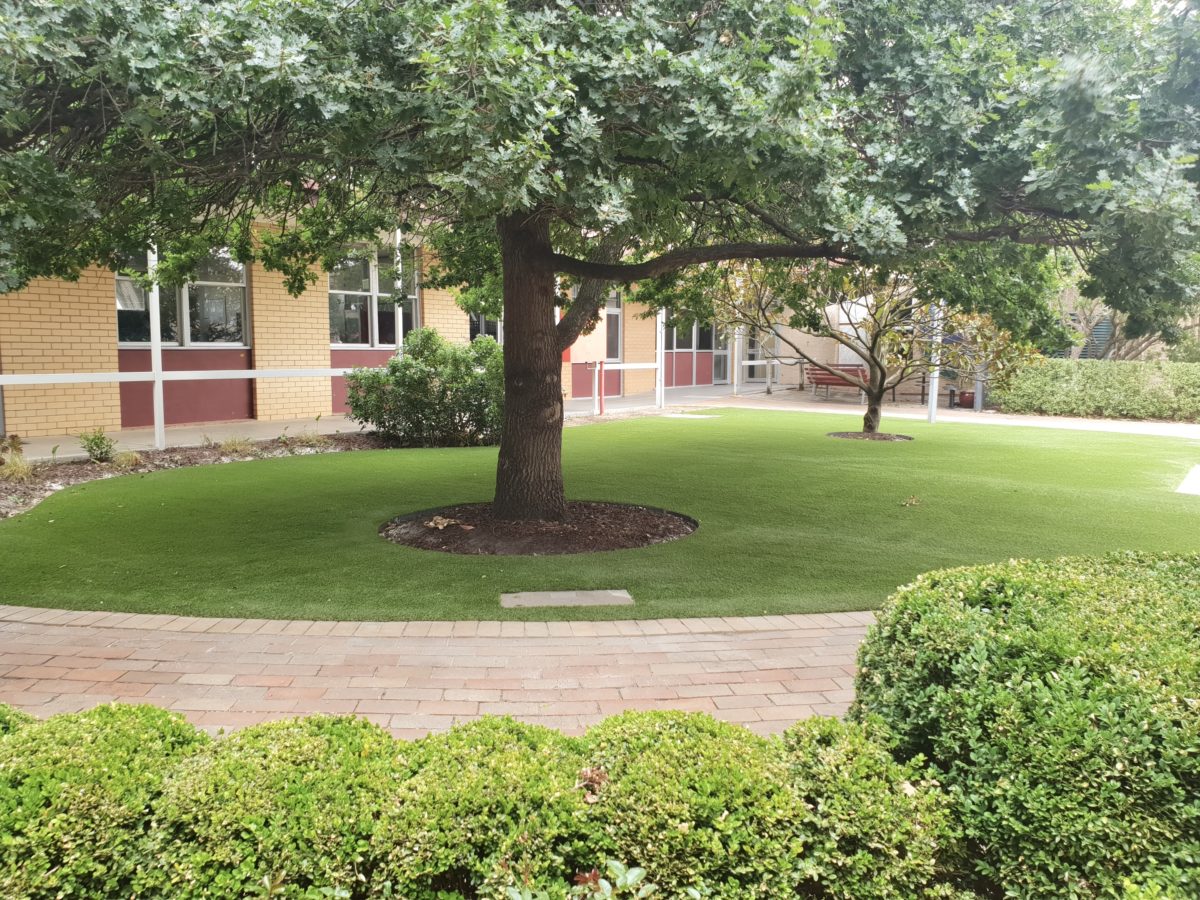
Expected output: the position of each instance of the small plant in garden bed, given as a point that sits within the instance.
(13, 466)
(97, 445)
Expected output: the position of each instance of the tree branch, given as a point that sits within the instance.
(674, 260)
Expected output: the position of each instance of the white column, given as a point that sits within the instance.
(156, 359)
(935, 357)
(979, 382)
(738, 354)
(596, 388)
(660, 359)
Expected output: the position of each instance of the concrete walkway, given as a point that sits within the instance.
(417, 677)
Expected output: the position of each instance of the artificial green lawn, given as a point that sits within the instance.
(791, 521)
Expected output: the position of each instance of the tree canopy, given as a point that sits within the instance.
(712, 130)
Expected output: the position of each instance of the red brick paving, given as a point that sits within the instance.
(417, 677)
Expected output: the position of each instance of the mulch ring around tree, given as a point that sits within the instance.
(865, 436)
(590, 527)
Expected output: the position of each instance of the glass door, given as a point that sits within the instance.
(720, 357)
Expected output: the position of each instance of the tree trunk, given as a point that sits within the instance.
(529, 482)
(874, 411)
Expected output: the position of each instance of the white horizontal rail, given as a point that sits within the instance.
(764, 362)
(190, 375)
(622, 367)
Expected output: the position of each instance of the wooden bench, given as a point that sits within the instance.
(817, 377)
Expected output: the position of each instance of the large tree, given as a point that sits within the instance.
(607, 140)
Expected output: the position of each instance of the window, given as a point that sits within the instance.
(213, 306)
(704, 337)
(481, 324)
(612, 325)
(683, 338)
(373, 299)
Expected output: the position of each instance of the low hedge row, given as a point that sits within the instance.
(131, 801)
(1058, 704)
(1103, 388)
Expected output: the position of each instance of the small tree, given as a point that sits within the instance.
(889, 316)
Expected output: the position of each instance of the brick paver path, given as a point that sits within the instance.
(416, 677)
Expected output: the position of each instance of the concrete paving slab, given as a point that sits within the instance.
(527, 599)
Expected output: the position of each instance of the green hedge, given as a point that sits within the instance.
(1059, 703)
(1108, 389)
(131, 801)
(74, 798)
(433, 394)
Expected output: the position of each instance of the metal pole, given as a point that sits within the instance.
(979, 380)
(600, 365)
(935, 358)
(660, 360)
(595, 388)
(156, 358)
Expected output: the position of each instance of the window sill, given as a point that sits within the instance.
(213, 345)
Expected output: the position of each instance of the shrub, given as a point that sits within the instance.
(435, 394)
(11, 719)
(127, 459)
(286, 808)
(697, 803)
(1058, 702)
(492, 804)
(97, 445)
(1105, 388)
(876, 828)
(74, 797)
(238, 446)
(13, 467)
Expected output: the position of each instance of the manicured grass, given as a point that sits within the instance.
(791, 521)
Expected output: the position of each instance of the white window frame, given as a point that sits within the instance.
(613, 309)
(373, 296)
(183, 317)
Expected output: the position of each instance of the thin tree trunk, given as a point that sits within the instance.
(529, 482)
(873, 414)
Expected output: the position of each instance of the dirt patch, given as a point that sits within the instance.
(590, 527)
(864, 436)
(49, 478)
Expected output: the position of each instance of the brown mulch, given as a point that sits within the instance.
(864, 436)
(590, 527)
(50, 477)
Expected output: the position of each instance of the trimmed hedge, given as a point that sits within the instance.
(131, 801)
(1059, 703)
(1103, 388)
(74, 797)
(491, 803)
(434, 393)
(291, 805)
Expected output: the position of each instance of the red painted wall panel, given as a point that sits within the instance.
(186, 402)
(683, 368)
(704, 366)
(347, 359)
(581, 382)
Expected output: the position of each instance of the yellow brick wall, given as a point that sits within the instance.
(441, 313)
(640, 336)
(61, 326)
(289, 333)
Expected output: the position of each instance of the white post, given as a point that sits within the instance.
(935, 358)
(739, 339)
(156, 359)
(595, 388)
(660, 360)
(979, 381)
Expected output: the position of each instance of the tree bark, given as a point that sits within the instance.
(873, 414)
(529, 482)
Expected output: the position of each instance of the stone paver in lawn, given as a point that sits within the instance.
(416, 677)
